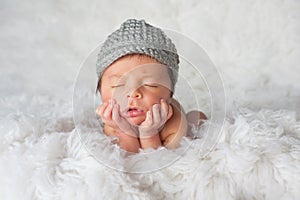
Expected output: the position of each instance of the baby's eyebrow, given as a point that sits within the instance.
(114, 76)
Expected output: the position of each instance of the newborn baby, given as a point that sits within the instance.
(137, 69)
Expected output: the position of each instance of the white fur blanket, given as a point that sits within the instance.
(42, 157)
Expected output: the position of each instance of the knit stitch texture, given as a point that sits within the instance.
(138, 37)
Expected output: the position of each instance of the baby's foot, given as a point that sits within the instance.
(195, 120)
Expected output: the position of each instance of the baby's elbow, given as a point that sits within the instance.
(173, 140)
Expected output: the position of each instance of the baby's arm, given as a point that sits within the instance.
(155, 120)
(116, 125)
(175, 128)
(172, 141)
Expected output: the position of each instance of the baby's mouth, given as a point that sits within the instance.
(134, 112)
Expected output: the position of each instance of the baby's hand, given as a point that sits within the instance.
(155, 119)
(110, 115)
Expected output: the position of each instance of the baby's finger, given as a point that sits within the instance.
(121, 122)
(156, 113)
(108, 111)
(116, 117)
(100, 109)
(115, 113)
(149, 118)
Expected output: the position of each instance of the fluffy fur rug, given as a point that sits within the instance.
(42, 156)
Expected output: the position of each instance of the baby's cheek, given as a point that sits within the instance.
(121, 98)
(106, 94)
(105, 98)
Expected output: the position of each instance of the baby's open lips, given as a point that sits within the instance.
(133, 112)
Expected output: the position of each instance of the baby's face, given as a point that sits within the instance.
(136, 83)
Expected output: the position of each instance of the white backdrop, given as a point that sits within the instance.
(254, 44)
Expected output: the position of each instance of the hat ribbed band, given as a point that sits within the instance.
(163, 56)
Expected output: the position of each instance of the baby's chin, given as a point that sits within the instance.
(136, 121)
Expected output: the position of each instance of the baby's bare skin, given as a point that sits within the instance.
(169, 135)
(138, 106)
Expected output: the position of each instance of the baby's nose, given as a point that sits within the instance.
(136, 94)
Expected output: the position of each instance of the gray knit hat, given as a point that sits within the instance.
(137, 36)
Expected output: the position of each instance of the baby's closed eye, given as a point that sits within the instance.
(151, 85)
(117, 86)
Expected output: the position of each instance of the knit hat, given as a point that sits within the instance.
(137, 36)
